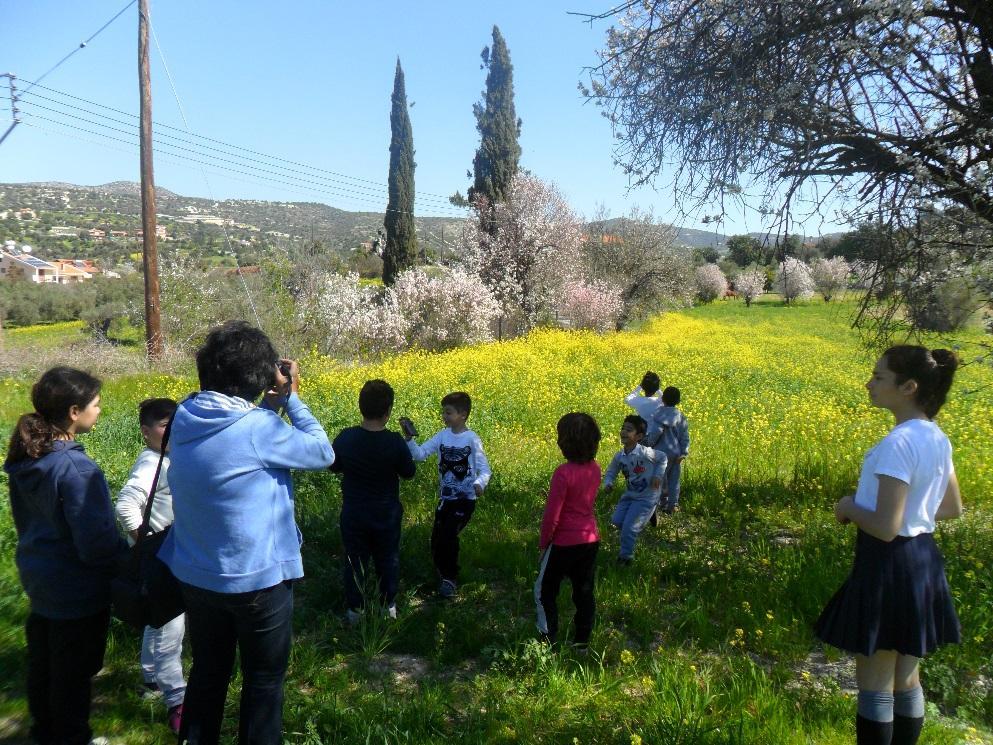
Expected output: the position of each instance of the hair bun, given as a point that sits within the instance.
(945, 358)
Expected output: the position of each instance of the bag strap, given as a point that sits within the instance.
(143, 529)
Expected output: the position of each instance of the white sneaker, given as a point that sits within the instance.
(99, 741)
(391, 612)
(353, 617)
(447, 589)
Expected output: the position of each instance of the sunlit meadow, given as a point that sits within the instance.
(705, 639)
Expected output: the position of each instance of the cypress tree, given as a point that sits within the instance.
(401, 237)
(499, 128)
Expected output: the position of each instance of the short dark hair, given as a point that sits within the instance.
(671, 396)
(639, 424)
(153, 410)
(375, 399)
(579, 437)
(650, 383)
(55, 393)
(933, 370)
(459, 401)
(237, 359)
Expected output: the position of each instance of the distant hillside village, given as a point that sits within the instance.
(102, 225)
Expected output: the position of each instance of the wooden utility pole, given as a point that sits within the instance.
(150, 257)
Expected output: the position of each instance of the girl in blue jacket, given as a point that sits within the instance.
(67, 550)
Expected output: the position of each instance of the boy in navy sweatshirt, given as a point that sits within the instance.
(371, 460)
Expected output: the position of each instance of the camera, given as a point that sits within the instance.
(408, 427)
(284, 369)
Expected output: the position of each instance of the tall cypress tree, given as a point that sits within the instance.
(401, 237)
(499, 128)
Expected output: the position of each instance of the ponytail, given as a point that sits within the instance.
(55, 393)
(933, 371)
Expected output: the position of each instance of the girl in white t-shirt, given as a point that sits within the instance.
(895, 607)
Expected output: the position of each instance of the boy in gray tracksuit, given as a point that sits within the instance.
(674, 441)
(643, 468)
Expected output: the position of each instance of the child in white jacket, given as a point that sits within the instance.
(161, 649)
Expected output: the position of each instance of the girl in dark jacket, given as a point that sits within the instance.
(67, 549)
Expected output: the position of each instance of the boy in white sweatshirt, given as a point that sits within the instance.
(463, 475)
(161, 649)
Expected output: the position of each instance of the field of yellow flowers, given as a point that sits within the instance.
(705, 639)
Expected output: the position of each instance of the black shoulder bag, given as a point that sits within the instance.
(145, 592)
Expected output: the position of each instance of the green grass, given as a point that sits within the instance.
(706, 639)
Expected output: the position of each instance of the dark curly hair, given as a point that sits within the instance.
(579, 437)
(55, 393)
(237, 359)
(933, 370)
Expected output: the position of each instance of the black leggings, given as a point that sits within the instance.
(578, 563)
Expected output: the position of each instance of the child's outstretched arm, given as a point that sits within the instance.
(480, 466)
(611, 474)
(422, 452)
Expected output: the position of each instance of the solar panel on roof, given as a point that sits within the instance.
(36, 262)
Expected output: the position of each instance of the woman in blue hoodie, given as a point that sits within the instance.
(67, 550)
(234, 545)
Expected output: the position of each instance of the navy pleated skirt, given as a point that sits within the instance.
(896, 597)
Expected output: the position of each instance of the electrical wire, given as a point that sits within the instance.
(157, 125)
(82, 44)
(243, 162)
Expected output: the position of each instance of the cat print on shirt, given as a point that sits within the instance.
(454, 469)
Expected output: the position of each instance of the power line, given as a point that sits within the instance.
(82, 44)
(242, 161)
(257, 153)
(314, 188)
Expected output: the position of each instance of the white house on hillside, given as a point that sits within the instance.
(24, 266)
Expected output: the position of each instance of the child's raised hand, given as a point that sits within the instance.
(478, 489)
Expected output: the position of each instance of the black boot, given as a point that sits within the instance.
(906, 730)
(870, 732)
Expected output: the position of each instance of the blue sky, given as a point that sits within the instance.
(310, 82)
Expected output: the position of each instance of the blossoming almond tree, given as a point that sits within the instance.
(883, 106)
(830, 276)
(528, 254)
(793, 281)
(444, 309)
(750, 284)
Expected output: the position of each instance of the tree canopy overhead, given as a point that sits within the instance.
(495, 164)
(888, 101)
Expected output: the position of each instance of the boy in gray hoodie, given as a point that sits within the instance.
(674, 441)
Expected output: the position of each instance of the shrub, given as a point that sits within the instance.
(447, 309)
(591, 305)
(710, 283)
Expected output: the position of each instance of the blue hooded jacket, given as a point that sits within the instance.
(67, 540)
(232, 493)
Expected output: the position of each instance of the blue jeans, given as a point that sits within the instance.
(260, 625)
(631, 515)
(671, 480)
